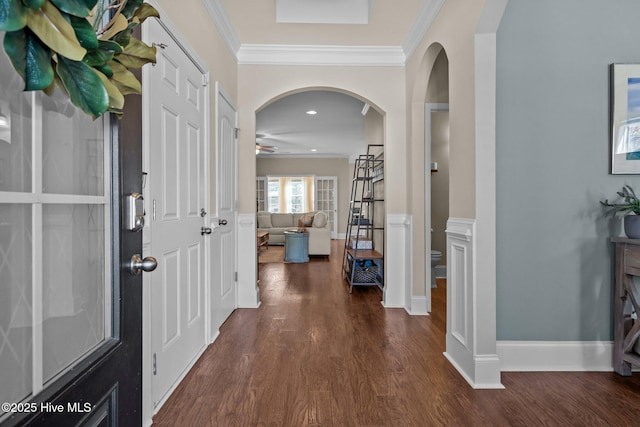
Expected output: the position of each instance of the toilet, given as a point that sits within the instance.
(436, 256)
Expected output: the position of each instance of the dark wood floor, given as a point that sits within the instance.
(315, 355)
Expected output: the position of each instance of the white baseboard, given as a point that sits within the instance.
(519, 356)
(418, 306)
(397, 262)
(248, 293)
(486, 368)
(177, 382)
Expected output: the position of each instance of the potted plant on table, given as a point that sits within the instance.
(628, 206)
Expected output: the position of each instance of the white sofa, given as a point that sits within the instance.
(277, 223)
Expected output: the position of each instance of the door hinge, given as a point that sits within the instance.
(155, 365)
(236, 276)
(205, 80)
(236, 131)
(153, 210)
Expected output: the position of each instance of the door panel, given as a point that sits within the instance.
(70, 315)
(176, 186)
(226, 286)
(327, 200)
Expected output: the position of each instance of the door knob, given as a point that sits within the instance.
(222, 222)
(137, 264)
(205, 230)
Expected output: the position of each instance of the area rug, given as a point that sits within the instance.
(273, 254)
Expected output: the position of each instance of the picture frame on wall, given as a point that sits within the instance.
(625, 118)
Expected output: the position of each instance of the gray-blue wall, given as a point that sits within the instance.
(554, 271)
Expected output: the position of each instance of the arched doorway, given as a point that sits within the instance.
(393, 294)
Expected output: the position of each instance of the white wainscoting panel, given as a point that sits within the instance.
(248, 293)
(419, 305)
(397, 262)
(480, 370)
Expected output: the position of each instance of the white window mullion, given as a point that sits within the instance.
(37, 245)
(36, 299)
(108, 292)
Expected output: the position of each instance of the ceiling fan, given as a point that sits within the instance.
(265, 149)
(261, 148)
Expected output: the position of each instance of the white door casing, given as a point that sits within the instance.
(326, 200)
(177, 172)
(224, 286)
(429, 108)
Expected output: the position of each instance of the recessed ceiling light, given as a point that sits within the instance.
(312, 112)
(314, 149)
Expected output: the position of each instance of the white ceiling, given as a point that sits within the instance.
(323, 12)
(338, 128)
(389, 23)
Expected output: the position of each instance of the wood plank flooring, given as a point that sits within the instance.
(314, 355)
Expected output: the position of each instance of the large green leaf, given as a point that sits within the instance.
(118, 23)
(84, 86)
(90, 3)
(33, 4)
(30, 58)
(97, 57)
(73, 7)
(136, 54)
(110, 46)
(84, 32)
(116, 99)
(13, 15)
(104, 69)
(124, 79)
(129, 9)
(123, 37)
(146, 11)
(54, 31)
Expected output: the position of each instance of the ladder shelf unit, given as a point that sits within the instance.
(363, 260)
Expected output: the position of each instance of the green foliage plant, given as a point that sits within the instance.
(629, 203)
(84, 47)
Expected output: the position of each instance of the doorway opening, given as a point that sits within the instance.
(437, 168)
(310, 133)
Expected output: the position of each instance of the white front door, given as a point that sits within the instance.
(224, 285)
(176, 178)
(327, 200)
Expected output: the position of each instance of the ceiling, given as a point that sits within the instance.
(338, 128)
(389, 22)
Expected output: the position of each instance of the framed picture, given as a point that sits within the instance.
(625, 118)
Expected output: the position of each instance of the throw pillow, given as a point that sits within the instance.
(264, 220)
(320, 220)
(305, 220)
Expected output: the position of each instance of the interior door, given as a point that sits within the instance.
(226, 288)
(70, 310)
(176, 184)
(327, 200)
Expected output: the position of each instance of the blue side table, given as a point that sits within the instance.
(296, 246)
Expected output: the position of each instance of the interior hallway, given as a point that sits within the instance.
(314, 355)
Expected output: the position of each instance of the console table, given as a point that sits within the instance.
(626, 332)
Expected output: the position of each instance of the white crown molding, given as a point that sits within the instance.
(371, 56)
(265, 54)
(425, 18)
(223, 24)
